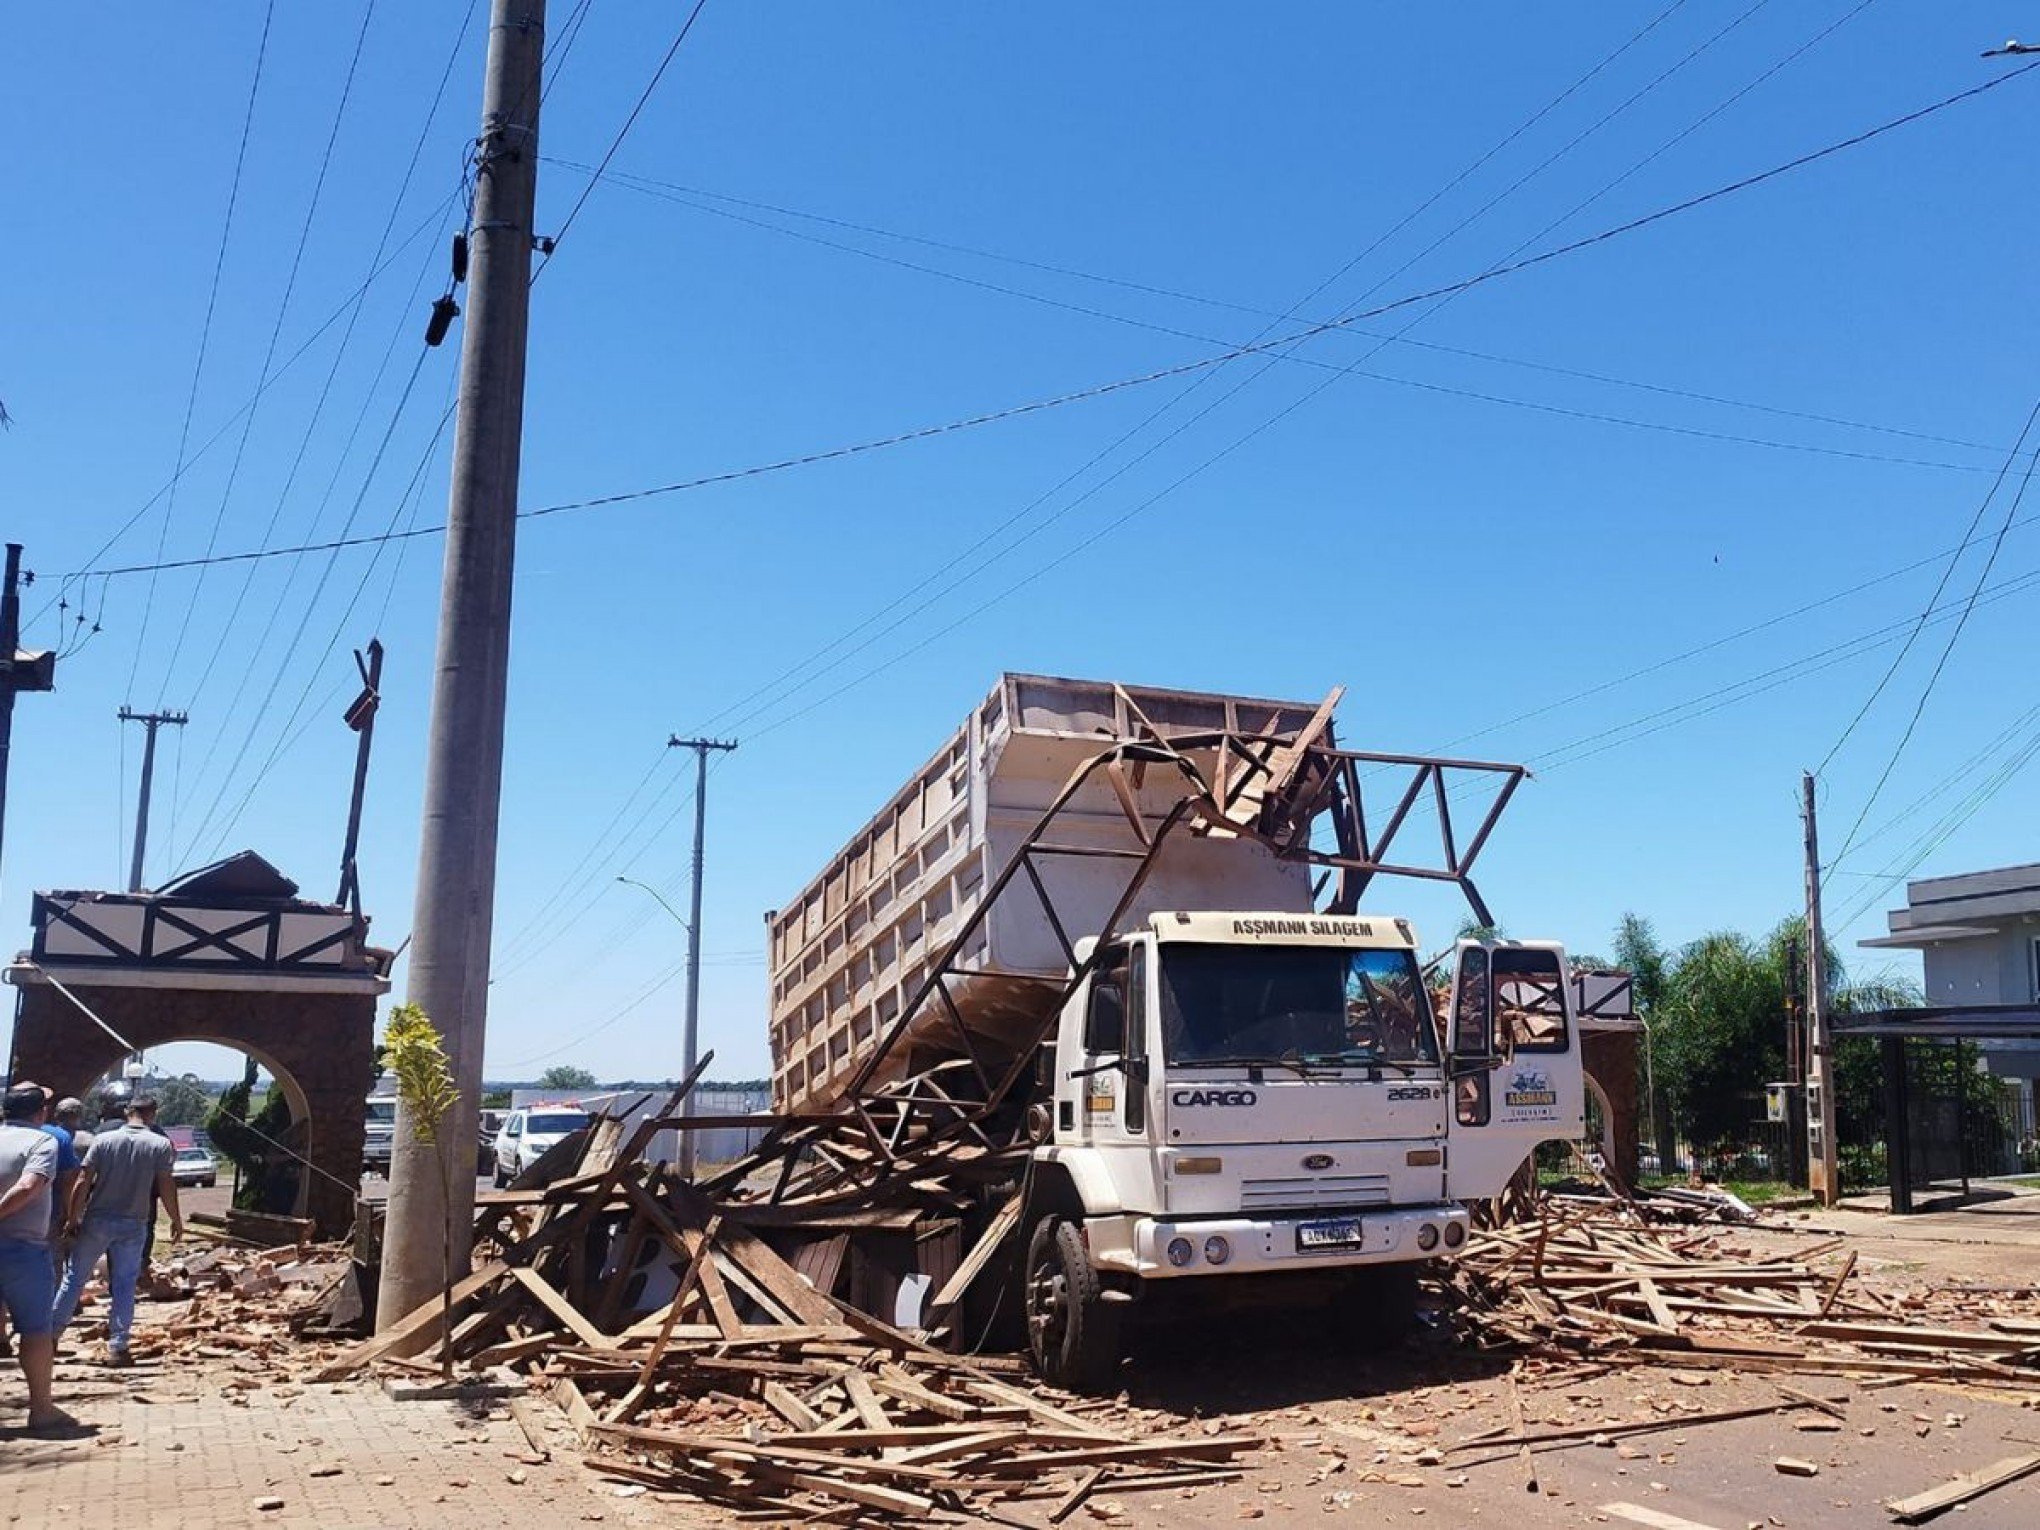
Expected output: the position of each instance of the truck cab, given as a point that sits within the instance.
(1267, 1103)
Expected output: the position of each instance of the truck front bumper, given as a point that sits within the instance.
(1153, 1247)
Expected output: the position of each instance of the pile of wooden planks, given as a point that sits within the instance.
(1593, 1278)
(698, 1342)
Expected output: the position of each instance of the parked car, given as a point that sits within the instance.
(491, 1124)
(529, 1132)
(195, 1166)
(379, 1132)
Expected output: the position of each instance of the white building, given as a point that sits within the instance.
(1978, 936)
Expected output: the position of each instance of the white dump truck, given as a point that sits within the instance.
(1221, 1090)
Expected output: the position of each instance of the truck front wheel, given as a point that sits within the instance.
(1072, 1332)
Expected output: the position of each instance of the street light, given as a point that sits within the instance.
(689, 1037)
(634, 882)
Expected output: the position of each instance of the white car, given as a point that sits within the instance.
(529, 1132)
(195, 1166)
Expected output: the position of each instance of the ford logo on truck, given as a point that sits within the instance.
(1213, 1097)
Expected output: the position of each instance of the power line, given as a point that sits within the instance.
(91, 568)
(1446, 295)
(622, 133)
(261, 648)
(1297, 358)
(354, 312)
(684, 196)
(269, 350)
(1947, 649)
(204, 332)
(1940, 585)
(597, 173)
(1118, 385)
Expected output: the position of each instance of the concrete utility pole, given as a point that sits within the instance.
(1823, 1170)
(18, 671)
(690, 1045)
(430, 1224)
(151, 721)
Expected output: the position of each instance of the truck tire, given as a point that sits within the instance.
(1380, 1308)
(1072, 1333)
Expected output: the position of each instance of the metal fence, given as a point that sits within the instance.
(1958, 1124)
(1760, 1150)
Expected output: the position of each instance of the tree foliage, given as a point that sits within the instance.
(413, 1052)
(566, 1076)
(180, 1101)
(1716, 1009)
(260, 1146)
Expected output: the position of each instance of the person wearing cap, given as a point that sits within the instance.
(68, 1156)
(28, 1172)
(70, 1115)
(108, 1210)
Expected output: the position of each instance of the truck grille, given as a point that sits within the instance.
(1314, 1190)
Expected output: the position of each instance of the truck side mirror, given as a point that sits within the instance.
(1105, 1015)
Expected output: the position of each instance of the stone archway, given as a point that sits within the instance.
(320, 1046)
(301, 1141)
(229, 954)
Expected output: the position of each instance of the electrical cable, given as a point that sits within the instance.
(304, 620)
(623, 132)
(1297, 358)
(1940, 585)
(1118, 385)
(262, 649)
(283, 494)
(1280, 351)
(269, 350)
(286, 738)
(205, 331)
(219, 434)
(1238, 442)
(1947, 651)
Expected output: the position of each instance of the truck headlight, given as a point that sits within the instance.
(1216, 1249)
(1455, 1234)
(1427, 1237)
(1180, 1252)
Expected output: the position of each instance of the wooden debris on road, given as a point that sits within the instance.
(1949, 1495)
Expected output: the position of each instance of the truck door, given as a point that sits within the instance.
(1113, 1102)
(1516, 1074)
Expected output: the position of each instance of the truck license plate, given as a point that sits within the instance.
(1323, 1237)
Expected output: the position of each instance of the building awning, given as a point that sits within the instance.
(1928, 934)
(1947, 1022)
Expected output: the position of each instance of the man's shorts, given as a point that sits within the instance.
(28, 1284)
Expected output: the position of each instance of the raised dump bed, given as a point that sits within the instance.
(851, 951)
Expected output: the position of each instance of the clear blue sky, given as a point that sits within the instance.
(1473, 533)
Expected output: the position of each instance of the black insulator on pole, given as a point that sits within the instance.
(444, 312)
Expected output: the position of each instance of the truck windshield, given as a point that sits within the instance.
(384, 1111)
(1305, 1005)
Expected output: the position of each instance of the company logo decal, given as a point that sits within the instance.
(1530, 1091)
(1318, 1161)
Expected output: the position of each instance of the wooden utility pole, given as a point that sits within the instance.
(150, 721)
(18, 671)
(361, 718)
(429, 1228)
(1823, 1171)
(691, 1036)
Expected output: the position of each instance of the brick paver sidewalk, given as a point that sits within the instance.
(179, 1446)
